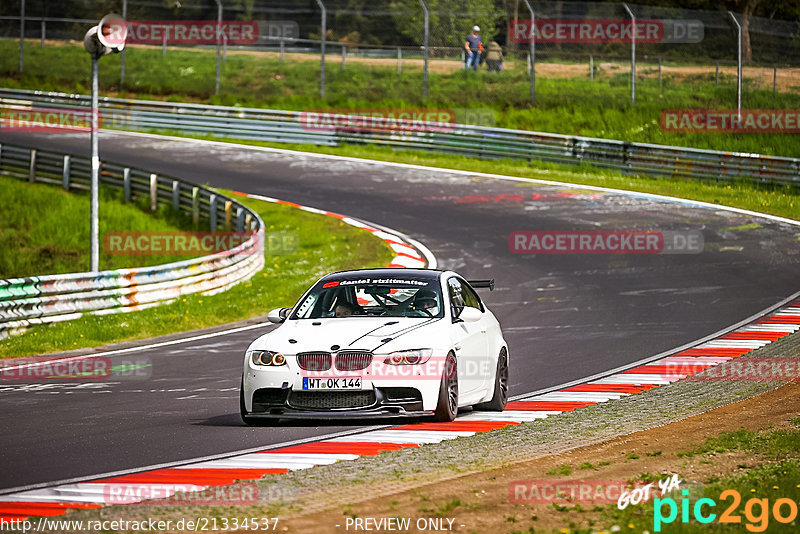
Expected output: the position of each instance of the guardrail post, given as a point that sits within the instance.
(219, 31)
(774, 79)
(176, 195)
(44, 30)
(212, 212)
(126, 184)
(344, 56)
(195, 205)
(633, 53)
(240, 219)
(21, 35)
(659, 72)
(591, 67)
(228, 214)
(322, 38)
(283, 50)
(164, 45)
(65, 173)
(532, 53)
(122, 59)
(738, 65)
(32, 172)
(153, 192)
(399, 60)
(425, 51)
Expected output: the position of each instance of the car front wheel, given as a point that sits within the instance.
(500, 397)
(447, 408)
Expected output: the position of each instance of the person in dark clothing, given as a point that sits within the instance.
(473, 46)
(494, 57)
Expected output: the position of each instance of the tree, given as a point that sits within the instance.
(450, 21)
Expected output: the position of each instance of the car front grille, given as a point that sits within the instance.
(326, 400)
(314, 361)
(353, 360)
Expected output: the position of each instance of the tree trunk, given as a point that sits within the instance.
(747, 50)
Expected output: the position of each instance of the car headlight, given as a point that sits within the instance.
(408, 357)
(267, 357)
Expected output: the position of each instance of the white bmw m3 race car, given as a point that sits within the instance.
(378, 343)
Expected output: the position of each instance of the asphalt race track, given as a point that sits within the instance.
(565, 316)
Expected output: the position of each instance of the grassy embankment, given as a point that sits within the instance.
(51, 226)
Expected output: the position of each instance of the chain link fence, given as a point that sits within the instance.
(375, 51)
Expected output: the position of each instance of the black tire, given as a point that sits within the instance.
(242, 410)
(500, 397)
(447, 407)
(246, 419)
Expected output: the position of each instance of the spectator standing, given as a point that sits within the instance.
(473, 46)
(494, 57)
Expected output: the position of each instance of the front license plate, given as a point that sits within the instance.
(342, 382)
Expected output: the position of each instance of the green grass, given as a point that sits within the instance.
(777, 477)
(599, 108)
(45, 230)
(325, 244)
(780, 201)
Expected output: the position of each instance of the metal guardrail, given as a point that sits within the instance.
(476, 141)
(54, 298)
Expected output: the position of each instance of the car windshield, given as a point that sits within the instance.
(372, 297)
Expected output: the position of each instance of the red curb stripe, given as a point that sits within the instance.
(611, 388)
(470, 426)
(760, 336)
(550, 406)
(780, 319)
(45, 509)
(198, 477)
(724, 352)
(364, 448)
(678, 369)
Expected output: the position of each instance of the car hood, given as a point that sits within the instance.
(378, 334)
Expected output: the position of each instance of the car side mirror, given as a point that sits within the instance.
(278, 315)
(470, 315)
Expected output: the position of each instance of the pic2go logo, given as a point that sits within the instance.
(756, 511)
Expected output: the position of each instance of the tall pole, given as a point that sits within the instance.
(324, 29)
(95, 203)
(425, 50)
(21, 35)
(219, 41)
(122, 59)
(633, 53)
(738, 66)
(533, 50)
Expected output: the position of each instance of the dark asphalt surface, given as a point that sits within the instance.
(564, 316)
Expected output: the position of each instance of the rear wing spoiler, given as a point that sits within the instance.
(480, 284)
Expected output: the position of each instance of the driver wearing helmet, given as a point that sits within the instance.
(425, 299)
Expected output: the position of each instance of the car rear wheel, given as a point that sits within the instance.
(500, 397)
(447, 408)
